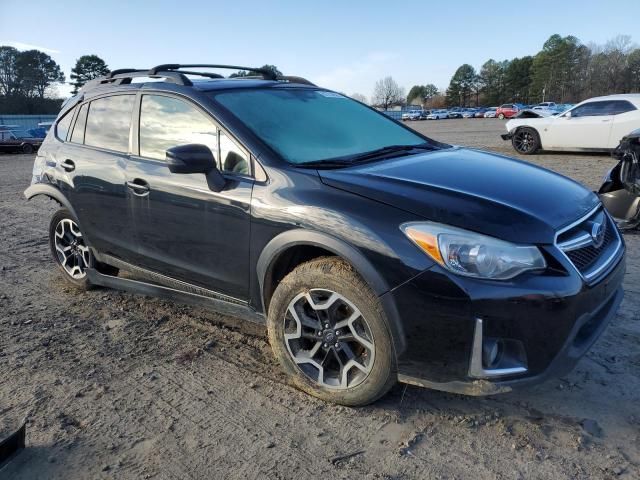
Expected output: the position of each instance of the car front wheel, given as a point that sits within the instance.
(27, 148)
(526, 141)
(329, 333)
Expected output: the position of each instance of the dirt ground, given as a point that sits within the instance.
(120, 386)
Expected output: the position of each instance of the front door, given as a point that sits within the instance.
(184, 229)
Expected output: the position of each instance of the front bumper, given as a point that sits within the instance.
(556, 319)
(507, 136)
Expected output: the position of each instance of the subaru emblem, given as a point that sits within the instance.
(597, 234)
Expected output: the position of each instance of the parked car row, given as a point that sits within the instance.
(507, 110)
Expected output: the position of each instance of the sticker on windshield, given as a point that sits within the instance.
(331, 94)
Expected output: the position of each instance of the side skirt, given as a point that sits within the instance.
(242, 311)
(476, 388)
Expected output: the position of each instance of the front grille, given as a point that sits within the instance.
(584, 257)
(579, 246)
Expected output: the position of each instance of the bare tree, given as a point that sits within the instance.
(359, 97)
(387, 93)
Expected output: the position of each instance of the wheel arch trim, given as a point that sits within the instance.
(301, 237)
(49, 191)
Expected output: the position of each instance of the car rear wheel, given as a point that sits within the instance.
(501, 116)
(526, 141)
(27, 148)
(329, 333)
(71, 252)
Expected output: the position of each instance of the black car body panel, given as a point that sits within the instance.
(240, 241)
(469, 189)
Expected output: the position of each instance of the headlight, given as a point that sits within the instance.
(472, 254)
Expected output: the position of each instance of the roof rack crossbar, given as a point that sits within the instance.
(125, 75)
(266, 74)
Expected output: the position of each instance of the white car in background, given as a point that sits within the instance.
(491, 113)
(412, 115)
(597, 124)
(438, 114)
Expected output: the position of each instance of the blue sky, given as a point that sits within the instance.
(345, 45)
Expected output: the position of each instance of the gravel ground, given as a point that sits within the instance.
(121, 386)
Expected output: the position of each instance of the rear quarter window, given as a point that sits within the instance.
(62, 127)
(621, 106)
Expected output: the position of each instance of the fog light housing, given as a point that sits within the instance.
(495, 357)
(492, 349)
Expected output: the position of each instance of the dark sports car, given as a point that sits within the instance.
(14, 141)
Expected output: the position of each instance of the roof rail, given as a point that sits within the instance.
(174, 73)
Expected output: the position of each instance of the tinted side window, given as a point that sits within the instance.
(167, 122)
(108, 122)
(77, 136)
(62, 127)
(617, 107)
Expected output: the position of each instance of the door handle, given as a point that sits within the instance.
(68, 165)
(138, 187)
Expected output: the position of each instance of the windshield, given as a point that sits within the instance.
(304, 125)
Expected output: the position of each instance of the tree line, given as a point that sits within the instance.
(564, 71)
(28, 79)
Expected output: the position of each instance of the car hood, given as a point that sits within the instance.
(479, 191)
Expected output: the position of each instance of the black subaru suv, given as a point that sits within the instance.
(372, 253)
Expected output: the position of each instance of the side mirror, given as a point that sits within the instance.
(195, 158)
(191, 158)
(567, 115)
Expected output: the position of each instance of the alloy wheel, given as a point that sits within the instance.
(523, 141)
(73, 254)
(329, 339)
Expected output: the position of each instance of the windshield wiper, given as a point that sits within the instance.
(325, 164)
(386, 151)
(357, 158)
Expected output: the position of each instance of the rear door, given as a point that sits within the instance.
(92, 164)
(184, 229)
(588, 126)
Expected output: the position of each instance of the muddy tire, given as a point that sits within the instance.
(526, 141)
(70, 251)
(329, 333)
